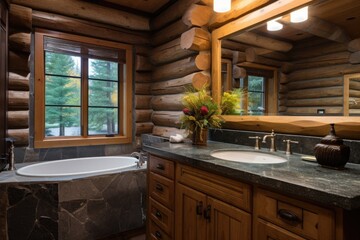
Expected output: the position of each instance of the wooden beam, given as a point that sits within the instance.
(196, 39)
(318, 50)
(238, 57)
(144, 127)
(143, 115)
(20, 42)
(166, 118)
(169, 33)
(18, 62)
(355, 57)
(18, 119)
(142, 102)
(238, 8)
(88, 28)
(197, 15)
(262, 41)
(239, 72)
(171, 102)
(21, 136)
(18, 100)
(320, 28)
(91, 12)
(354, 45)
(143, 64)
(251, 56)
(181, 67)
(315, 83)
(169, 52)
(142, 88)
(18, 82)
(143, 77)
(20, 18)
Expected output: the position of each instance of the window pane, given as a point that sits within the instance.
(103, 121)
(105, 70)
(103, 93)
(256, 83)
(256, 103)
(62, 91)
(62, 121)
(62, 64)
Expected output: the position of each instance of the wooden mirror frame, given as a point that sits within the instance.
(346, 127)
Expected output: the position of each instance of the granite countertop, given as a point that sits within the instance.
(308, 180)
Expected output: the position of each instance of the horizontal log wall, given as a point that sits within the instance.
(20, 25)
(313, 80)
(82, 19)
(181, 58)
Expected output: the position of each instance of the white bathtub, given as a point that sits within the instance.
(77, 166)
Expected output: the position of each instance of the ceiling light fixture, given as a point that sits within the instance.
(221, 6)
(300, 15)
(273, 25)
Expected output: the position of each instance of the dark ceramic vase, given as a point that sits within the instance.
(331, 152)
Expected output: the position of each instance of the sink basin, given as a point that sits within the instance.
(248, 156)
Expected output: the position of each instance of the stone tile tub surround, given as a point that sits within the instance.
(305, 146)
(89, 207)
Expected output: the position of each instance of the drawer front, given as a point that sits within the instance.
(265, 231)
(305, 219)
(163, 217)
(156, 233)
(162, 166)
(162, 190)
(230, 191)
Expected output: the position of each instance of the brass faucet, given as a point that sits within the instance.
(272, 136)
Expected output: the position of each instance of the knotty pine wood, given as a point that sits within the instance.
(197, 15)
(169, 52)
(196, 39)
(18, 119)
(20, 19)
(20, 41)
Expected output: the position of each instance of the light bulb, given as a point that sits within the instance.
(273, 25)
(222, 5)
(300, 15)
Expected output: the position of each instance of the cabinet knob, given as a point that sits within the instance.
(158, 235)
(207, 213)
(160, 166)
(158, 214)
(159, 187)
(289, 216)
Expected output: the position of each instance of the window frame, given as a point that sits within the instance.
(124, 101)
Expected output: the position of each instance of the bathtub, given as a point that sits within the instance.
(77, 166)
(81, 198)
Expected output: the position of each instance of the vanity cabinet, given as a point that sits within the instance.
(161, 198)
(187, 203)
(202, 206)
(282, 218)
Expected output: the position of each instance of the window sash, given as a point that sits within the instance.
(124, 92)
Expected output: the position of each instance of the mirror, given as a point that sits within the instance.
(300, 70)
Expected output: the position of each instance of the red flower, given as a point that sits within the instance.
(204, 110)
(186, 111)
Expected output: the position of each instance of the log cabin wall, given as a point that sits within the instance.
(127, 28)
(314, 80)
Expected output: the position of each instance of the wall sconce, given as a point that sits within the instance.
(221, 6)
(300, 15)
(273, 25)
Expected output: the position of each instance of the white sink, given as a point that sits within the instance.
(248, 156)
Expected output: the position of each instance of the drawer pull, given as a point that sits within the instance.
(158, 235)
(199, 208)
(289, 216)
(207, 213)
(159, 187)
(158, 214)
(160, 166)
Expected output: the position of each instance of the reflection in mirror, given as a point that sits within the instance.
(300, 69)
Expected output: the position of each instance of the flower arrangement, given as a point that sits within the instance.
(200, 112)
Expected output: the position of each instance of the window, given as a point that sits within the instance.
(83, 91)
(258, 97)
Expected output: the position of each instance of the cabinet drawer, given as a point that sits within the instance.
(230, 191)
(162, 216)
(156, 233)
(162, 190)
(266, 230)
(162, 166)
(305, 219)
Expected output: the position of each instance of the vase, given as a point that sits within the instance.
(199, 137)
(331, 152)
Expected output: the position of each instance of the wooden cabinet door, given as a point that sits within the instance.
(267, 231)
(189, 208)
(227, 222)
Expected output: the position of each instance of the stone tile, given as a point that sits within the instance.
(16, 193)
(50, 154)
(91, 151)
(31, 155)
(19, 154)
(77, 190)
(69, 152)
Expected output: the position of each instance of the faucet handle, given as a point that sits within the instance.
(288, 146)
(257, 144)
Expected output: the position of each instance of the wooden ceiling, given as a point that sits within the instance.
(342, 13)
(142, 7)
